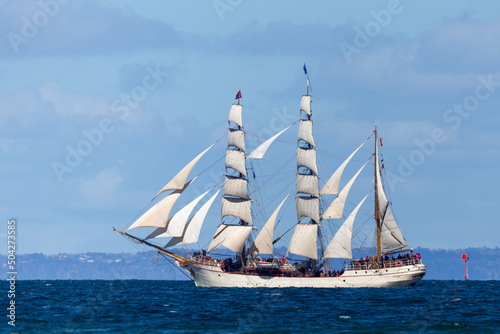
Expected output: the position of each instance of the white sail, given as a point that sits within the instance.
(307, 184)
(307, 207)
(157, 215)
(340, 246)
(305, 132)
(259, 152)
(236, 138)
(390, 235)
(236, 207)
(336, 209)
(303, 241)
(235, 114)
(382, 199)
(177, 224)
(193, 227)
(236, 187)
(305, 104)
(178, 181)
(232, 237)
(263, 244)
(307, 158)
(331, 186)
(236, 161)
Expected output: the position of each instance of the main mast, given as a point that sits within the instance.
(377, 208)
(303, 242)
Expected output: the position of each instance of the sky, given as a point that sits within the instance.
(102, 102)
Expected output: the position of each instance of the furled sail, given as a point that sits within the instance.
(178, 181)
(303, 241)
(177, 224)
(157, 215)
(232, 237)
(259, 152)
(305, 104)
(331, 186)
(193, 227)
(305, 131)
(340, 246)
(236, 138)
(235, 114)
(390, 235)
(263, 244)
(336, 209)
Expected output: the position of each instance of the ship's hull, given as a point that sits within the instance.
(213, 276)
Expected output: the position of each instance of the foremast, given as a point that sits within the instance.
(235, 201)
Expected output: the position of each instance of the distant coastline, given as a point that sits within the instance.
(442, 264)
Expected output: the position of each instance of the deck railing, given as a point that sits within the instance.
(372, 264)
(206, 260)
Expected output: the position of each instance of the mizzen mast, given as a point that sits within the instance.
(377, 208)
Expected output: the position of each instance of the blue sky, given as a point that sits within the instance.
(150, 83)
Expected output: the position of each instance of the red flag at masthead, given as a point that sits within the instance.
(238, 95)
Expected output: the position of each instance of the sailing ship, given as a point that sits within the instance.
(252, 258)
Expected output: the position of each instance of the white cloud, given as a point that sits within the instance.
(462, 45)
(81, 27)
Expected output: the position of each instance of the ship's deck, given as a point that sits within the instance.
(289, 270)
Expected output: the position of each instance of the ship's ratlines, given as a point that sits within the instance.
(327, 245)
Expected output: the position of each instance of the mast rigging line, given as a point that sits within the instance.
(152, 200)
(333, 134)
(177, 267)
(341, 114)
(256, 187)
(266, 206)
(142, 248)
(359, 232)
(271, 111)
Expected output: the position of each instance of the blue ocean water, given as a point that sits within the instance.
(134, 306)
